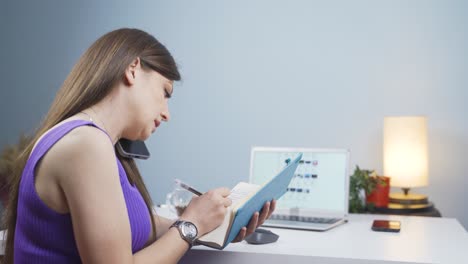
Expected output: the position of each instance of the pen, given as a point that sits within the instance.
(187, 187)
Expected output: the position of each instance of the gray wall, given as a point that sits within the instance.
(279, 73)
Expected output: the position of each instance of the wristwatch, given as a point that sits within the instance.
(187, 230)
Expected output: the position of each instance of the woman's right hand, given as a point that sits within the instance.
(208, 210)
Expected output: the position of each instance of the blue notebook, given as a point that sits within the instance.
(248, 199)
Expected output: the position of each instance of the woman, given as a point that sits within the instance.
(74, 199)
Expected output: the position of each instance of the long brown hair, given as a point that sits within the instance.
(91, 79)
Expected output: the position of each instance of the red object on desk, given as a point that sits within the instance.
(380, 195)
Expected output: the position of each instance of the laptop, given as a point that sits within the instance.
(317, 197)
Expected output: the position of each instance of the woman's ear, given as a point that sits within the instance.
(130, 72)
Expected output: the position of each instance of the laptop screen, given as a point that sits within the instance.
(320, 182)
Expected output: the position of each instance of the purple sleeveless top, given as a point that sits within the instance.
(45, 236)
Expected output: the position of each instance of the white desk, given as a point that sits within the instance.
(421, 240)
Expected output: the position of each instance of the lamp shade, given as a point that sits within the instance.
(405, 151)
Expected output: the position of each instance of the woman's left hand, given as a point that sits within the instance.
(256, 221)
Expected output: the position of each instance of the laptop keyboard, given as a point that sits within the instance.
(306, 219)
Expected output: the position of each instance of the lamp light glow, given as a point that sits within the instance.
(406, 151)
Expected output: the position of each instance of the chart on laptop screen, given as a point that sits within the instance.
(318, 183)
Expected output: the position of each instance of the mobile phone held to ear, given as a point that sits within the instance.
(132, 149)
(386, 226)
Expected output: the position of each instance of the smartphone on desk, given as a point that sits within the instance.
(132, 149)
(386, 226)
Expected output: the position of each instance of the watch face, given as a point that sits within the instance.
(189, 230)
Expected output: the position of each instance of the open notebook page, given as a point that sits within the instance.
(238, 195)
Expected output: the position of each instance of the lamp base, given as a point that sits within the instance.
(410, 207)
(407, 203)
(403, 209)
(408, 199)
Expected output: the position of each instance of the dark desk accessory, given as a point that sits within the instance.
(261, 236)
(386, 226)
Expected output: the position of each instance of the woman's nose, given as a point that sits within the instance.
(165, 116)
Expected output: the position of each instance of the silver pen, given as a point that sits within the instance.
(187, 187)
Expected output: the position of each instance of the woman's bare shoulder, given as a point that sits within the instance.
(82, 149)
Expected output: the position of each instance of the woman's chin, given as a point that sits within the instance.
(146, 134)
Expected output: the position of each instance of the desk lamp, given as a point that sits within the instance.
(406, 160)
